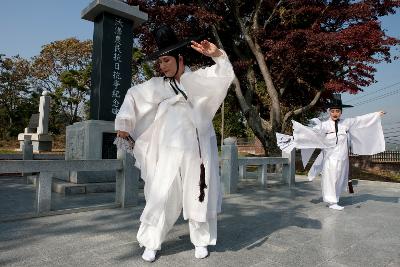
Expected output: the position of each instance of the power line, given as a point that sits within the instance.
(397, 122)
(392, 143)
(393, 135)
(377, 98)
(393, 138)
(394, 128)
(391, 132)
(374, 92)
(387, 137)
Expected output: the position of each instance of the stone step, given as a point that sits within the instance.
(68, 188)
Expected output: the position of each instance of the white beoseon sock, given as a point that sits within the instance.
(336, 207)
(149, 255)
(200, 252)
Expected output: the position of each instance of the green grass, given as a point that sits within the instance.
(8, 151)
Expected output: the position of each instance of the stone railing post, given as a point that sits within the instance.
(289, 170)
(242, 172)
(127, 181)
(263, 176)
(27, 153)
(43, 192)
(229, 165)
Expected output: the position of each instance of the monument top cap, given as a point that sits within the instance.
(114, 7)
(45, 92)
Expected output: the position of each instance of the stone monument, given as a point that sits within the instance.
(41, 139)
(114, 22)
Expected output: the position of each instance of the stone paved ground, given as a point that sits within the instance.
(272, 227)
(17, 197)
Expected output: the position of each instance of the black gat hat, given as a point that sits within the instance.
(336, 102)
(168, 43)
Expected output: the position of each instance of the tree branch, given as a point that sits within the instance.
(300, 110)
(238, 91)
(272, 14)
(256, 13)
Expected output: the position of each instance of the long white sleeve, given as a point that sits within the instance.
(366, 134)
(308, 137)
(364, 121)
(126, 117)
(207, 87)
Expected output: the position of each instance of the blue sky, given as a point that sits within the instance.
(27, 25)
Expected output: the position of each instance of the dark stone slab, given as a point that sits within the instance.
(34, 121)
(112, 57)
(109, 150)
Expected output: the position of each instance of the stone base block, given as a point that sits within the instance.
(42, 146)
(40, 142)
(81, 177)
(90, 139)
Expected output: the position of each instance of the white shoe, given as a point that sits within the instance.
(336, 207)
(149, 255)
(200, 252)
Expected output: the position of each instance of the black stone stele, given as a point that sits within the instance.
(109, 150)
(111, 73)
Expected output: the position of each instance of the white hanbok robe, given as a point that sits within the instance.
(363, 133)
(163, 125)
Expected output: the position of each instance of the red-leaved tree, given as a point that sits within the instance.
(289, 56)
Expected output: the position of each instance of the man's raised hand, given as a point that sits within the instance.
(206, 48)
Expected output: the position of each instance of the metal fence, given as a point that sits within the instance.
(386, 157)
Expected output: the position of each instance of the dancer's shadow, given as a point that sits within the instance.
(243, 231)
(250, 222)
(317, 200)
(357, 199)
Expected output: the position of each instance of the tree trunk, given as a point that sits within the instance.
(252, 116)
(275, 113)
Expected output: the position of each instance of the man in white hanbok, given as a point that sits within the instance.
(363, 133)
(170, 120)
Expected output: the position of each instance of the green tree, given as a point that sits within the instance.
(63, 68)
(16, 101)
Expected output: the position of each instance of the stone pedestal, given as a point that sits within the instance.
(41, 142)
(92, 139)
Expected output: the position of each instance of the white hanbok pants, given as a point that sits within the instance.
(334, 179)
(201, 233)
